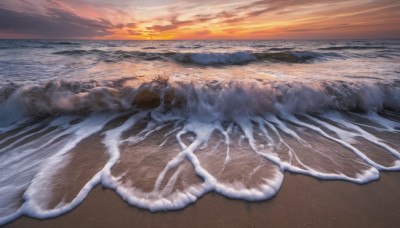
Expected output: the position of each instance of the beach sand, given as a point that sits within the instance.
(302, 201)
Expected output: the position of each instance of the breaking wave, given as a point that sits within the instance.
(206, 59)
(61, 97)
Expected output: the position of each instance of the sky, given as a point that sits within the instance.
(199, 19)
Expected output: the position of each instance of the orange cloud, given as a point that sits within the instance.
(217, 19)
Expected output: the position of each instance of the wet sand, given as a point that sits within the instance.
(302, 201)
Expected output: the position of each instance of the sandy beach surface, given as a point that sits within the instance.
(302, 201)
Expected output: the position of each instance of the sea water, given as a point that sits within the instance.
(164, 122)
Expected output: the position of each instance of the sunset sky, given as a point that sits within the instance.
(200, 19)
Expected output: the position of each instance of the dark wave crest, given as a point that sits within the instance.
(207, 59)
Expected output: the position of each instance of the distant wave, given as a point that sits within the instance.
(63, 43)
(259, 46)
(238, 58)
(352, 47)
(18, 44)
(77, 52)
(207, 59)
(149, 48)
(215, 58)
(189, 47)
(280, 49)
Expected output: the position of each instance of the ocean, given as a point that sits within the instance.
(162, 123)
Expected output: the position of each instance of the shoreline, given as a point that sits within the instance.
(302, 201)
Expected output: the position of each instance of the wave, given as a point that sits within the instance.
(238, 58)
(296, 56)
(280, 49)
(78, 52)
(189, 47)
(206, 59)
(63, 43)
(352, 47)
(35, 46)
(226, 100)
(215, 58)
(149, 48)
(259, 46)
(42, 44)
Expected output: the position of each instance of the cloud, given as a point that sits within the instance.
(131, 25)
(202, 33)
(174, 24)
(56, 23)
(162, 28)
(259, 12)
(134, 33)
(318, 29)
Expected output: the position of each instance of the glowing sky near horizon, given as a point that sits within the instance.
(200, 19)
